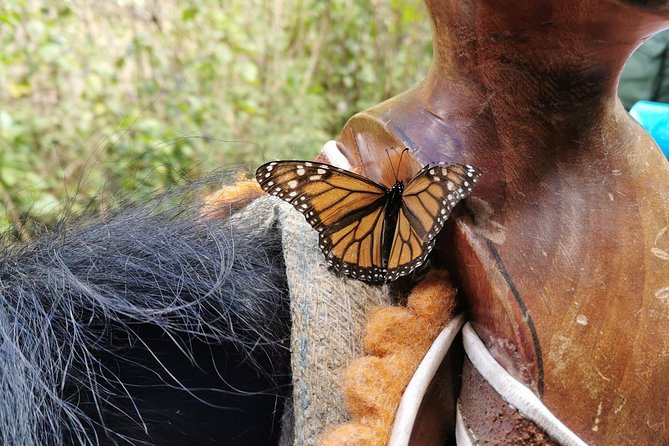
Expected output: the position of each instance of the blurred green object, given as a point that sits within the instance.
(646, 73)
(123, 97)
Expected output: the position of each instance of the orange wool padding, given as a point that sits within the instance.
(394, 329)
(395, 339)
(220, 204)
(382, 374)
(351, 434)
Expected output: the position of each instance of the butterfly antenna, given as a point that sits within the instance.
(397, 171)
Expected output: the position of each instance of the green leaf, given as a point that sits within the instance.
(19, 88)
(189, 14)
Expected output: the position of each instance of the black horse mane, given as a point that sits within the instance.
(153, 325)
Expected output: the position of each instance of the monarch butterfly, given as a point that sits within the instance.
(367, 231)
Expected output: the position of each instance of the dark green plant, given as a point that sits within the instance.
(101, 99)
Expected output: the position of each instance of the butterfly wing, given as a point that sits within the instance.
(346, 209)
(427, 201)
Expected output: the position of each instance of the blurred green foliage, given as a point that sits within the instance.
(110, 98)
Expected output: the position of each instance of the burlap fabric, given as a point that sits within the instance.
(328, 314)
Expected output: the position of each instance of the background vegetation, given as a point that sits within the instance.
(109, 98)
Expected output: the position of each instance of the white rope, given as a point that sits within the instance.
(514, 392)
(462, 436)
(415, 391)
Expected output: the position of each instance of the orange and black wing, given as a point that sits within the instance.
(346, 209)
(427, 201)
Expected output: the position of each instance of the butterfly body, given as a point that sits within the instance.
(367, 230)
(393, 206)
